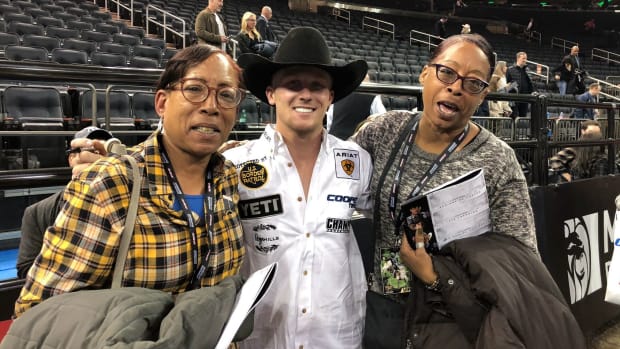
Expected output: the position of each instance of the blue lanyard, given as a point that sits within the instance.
(439, 160)
(199, 271)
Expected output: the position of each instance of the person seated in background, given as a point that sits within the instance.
(465, 29)
(40, 215)
(580, 162)
(188, 233)
(498, 84)
(346, 114)
(590, 96)
(250, 40)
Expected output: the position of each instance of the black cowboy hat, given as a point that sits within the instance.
(301, 46)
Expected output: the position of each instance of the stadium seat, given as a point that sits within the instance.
(154, 42)
(34, 108)
(79, 25)
(8, 39)
(143, 106)
(66, 17)
(135, 31)
(249, 105)
(21, 28)
(52, 8)
(126, 39)
(120, 109)
(77, 11)
(91, 20)
(67, 56)
(108, 59)
(75, 44)
(25, 53)
(47, 21)
(49, 43)
(147, 51)
(106, 28)
(113, 47)
(385, 77)
(96, 36)
(402, 79)
(62, 33)
(17, 17)
(37, 13)
(144, 62)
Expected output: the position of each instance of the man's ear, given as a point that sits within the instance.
(269, 93)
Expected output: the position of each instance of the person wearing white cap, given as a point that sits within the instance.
(466, 29)
(40, 215)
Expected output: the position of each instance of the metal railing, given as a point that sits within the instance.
(562, 43)
(427, 39)
(534, 36)
(542, 70)
(605, 55)
(167, 27)
(608, 89)
(120, 5)
(376, 24)
(342, 14)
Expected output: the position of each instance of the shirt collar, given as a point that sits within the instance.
(276, 142)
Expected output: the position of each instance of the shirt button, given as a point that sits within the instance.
(301, 347)
(290, 164)
(299, 198)
(307, 235)
(305, 272)
(450, 282)
(303, 311)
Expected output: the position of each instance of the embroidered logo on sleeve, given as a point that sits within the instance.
(347, 163)
(253, 175)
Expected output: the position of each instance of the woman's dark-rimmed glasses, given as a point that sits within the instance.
(197, 91)
(449, 76)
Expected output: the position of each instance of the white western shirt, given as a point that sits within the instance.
(318, 296)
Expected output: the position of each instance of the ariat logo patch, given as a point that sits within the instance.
(347, 163)
(253, 175)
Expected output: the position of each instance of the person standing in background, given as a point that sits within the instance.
(518, 73)
(440, 27)
(263, 27)
(344, 116)
(210, 27)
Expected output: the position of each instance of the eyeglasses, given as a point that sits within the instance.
(196, 91)
(448, 76)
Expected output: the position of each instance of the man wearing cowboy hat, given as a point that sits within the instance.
(299, 187)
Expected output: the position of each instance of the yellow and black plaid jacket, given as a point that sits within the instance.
(79, 250)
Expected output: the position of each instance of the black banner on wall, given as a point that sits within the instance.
(574, 224)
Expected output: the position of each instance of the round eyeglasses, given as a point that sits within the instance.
(197, 91)
(449, 76)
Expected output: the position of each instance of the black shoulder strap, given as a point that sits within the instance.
(388, 164)
(366, 242)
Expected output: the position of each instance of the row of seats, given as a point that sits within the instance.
(51, 108)
(108, 55)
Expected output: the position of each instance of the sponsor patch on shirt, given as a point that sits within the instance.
(266, 238)
(260, 207)
(337, 225)
(347, 163)
(253, 175)
(350, 200)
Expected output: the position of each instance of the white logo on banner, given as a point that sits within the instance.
(582, 246)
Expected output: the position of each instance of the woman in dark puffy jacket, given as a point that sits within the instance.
(250, 40)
